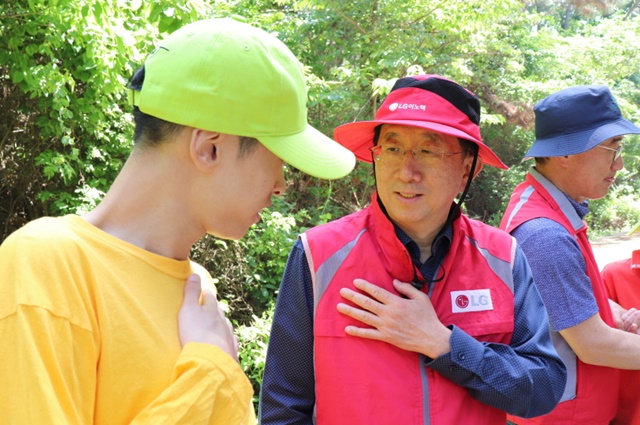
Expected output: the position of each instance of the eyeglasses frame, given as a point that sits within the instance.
(377, 149)
(617, 154)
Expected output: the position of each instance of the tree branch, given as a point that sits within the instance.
(348, 19)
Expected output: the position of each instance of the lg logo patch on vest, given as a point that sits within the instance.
(471, 300)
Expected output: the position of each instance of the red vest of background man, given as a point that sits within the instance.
(622, 280)
(591, 391)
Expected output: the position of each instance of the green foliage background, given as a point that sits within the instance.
(65, 128)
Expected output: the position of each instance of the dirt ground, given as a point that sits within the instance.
(615, 247)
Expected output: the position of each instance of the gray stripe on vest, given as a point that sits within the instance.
(569, 358)
(523, 200)
(500, 267)
(426, 416)
(329, 268)
(567, 209)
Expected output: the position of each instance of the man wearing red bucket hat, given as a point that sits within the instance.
(579, 132)
(408, 311)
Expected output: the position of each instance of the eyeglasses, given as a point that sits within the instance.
(393, 155)
(618, 151)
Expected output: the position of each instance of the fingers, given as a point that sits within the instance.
(410, 323)
(207, 298)
(201, 318)
(374, 298)
(369, 306)
(361, 300)
(368, 333)
(375, 291)
(630, 320)
(630, 314)
(193, 290)
(407, 289)
(378, 294)
(363, 316)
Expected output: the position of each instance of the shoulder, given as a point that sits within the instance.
(44, 232)
(485, 238)
(48, 249)
(542, 230)
(476, 225)
(46, 265)
(616, 267)
(352, 222)
(478, 230)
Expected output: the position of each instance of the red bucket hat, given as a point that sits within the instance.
(426, 101)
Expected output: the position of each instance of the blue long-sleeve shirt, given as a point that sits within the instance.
(524, 378)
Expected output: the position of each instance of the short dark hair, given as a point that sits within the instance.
(151, 131)
(247, 145)
(376, 134)
(468, 146)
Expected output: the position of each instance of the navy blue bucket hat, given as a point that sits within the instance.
(575, 120)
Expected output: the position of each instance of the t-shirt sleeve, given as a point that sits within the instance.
(207, 387)
(559, 272)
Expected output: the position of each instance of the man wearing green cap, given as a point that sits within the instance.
(579, 134)
(103, 317)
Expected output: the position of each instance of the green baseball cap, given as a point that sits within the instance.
(229, 77)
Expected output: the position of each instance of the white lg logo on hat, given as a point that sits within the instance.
(412, 106)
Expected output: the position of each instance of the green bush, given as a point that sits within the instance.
(618, 211)
(253, 340)
(65, 130)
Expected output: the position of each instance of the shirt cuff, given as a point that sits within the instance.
(462, 361)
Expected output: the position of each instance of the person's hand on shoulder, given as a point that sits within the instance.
(201, 319)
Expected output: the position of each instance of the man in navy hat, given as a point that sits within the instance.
(577, 151)
(408, 311)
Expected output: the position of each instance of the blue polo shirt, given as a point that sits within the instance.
(564, 285)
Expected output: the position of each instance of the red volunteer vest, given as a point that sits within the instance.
(622, 280)
(593, 399)
(366, 382)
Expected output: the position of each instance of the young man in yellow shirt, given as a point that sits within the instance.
(103, 317)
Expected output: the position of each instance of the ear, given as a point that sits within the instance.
(467, 170)
(479, 167)
(566, 160)
(203, 149)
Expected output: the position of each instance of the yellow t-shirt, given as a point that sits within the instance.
(89, 334)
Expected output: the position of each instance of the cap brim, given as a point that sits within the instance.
(358, 138)
(312, 152)
(579, 142)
